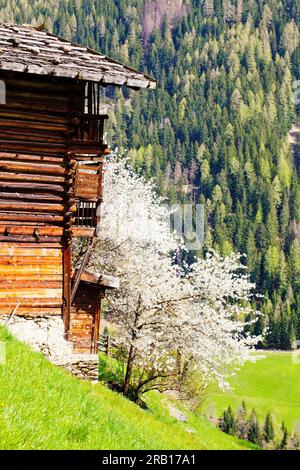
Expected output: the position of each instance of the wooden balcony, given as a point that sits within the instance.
(91, 128)
(89, 136)
(86, 214)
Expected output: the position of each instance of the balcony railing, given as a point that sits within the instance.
(86, 214)
(91, 128)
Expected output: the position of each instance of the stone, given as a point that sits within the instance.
(46, 335)
(177, 414)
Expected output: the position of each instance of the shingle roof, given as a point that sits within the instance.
(28, 50)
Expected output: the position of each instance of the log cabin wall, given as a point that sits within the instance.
(85, 319)
(36, 178)
(51, 149)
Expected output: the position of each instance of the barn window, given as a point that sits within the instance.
(91, 127)
(2, 92)
(92, 99)
(86, 214)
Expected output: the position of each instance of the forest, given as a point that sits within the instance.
(216, 131)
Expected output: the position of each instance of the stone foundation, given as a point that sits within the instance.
(46, 335)
(83, 366)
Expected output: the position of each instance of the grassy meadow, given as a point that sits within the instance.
(43, 407)
(271, 384)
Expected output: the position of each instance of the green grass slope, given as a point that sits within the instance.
(271, 384)
(43, 407)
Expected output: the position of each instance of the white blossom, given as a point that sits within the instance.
(160, 309)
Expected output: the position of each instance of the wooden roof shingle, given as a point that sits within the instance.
(28, 50)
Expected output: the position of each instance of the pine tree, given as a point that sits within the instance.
(228, 422)
(241, 422)
(208, 8)
(224, 100)
(254, 434)
(284, 333)
(268, 431)
(284, 439)
(290, 37)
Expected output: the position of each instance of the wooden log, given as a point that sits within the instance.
(29, 239)
(62, 109)
(31, 177)
(30, 251)
(45, 218)
(82, 232)
(67, 262)
(32, 294)
(28, 230)
(25, 124)
(87, 147)
(8, 284)
(25, 81)
(35, 137)
(41, 277)
(28, 95)
(28, 167)
(31, 196)
(31, 312)
(33, 185)
(40, 148)
(34, 158)
(22, 206)
(34, 245)
(31, 269)
(39, 93)
(29, 260)
(33, 116)
(35, 303)
(32, 273)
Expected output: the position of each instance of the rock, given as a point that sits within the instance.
(46, 335)
(190, 431)
(177, 414)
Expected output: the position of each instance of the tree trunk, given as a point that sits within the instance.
(128, 370)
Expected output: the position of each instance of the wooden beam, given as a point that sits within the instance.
(82, 267)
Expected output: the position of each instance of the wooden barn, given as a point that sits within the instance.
(51, 153)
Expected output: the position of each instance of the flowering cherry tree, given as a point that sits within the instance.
(166, 312)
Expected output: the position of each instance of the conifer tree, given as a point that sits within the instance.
(254, 433)
(228, 424)
(284, 439)
(224, 99)
(268, 431)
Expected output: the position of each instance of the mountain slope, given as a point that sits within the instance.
(270, 385)
(215, 131)
(43, 407)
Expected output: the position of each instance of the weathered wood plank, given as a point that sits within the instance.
(31, 196)
(30, 270)
(31, 217)
(33, 185)
(31, 177)
(7, 285)
(28, 230)
(30, 312)
(29, 167)
(30, 293)
(34, 303)
(30, 251)
(21, 206)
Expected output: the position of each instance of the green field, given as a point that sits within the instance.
(43, 407)
(271, 384)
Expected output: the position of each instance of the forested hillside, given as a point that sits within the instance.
(216, 129)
